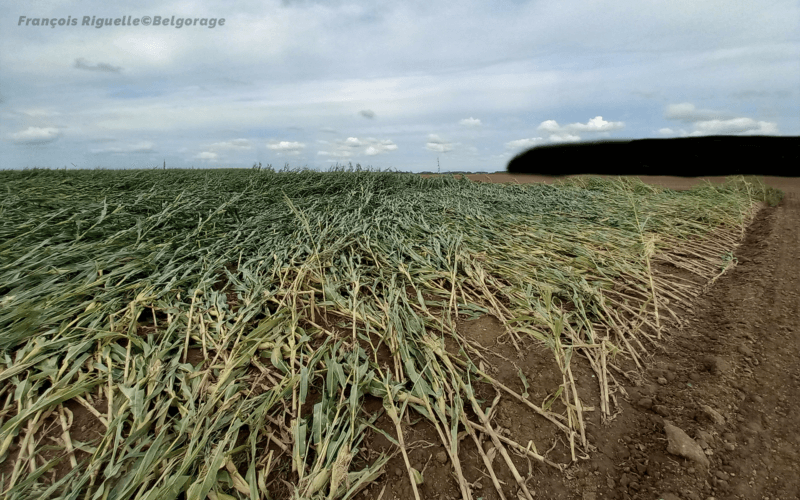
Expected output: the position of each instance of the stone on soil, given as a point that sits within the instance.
(715, 365)
(712, 415)
(679, 443)
(704, 435)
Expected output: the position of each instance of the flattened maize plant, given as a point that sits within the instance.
(194, 334)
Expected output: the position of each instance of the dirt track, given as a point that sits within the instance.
(737, 351)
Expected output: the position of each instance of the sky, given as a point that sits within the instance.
(411, 85)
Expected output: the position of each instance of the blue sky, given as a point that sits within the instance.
(386, 84)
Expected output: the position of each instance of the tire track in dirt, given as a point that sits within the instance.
(740, 357)
(770, 413)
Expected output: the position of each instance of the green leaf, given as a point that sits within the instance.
(417, 476)
(303, 384)
(546, 406)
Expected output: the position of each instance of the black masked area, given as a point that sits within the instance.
(684, 157)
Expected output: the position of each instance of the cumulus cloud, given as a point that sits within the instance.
(287, 147)
(206, 156)
(666, 131)
(470, 122)
(336, 154)
(380, 147)
(236, 144)
(36, 135)
(549, 126)
(596, 124)
(437, 144)
(736, 126)
(367, 113)
(524, 143)
(709, 122)
(351, 147)
(212, 152)
(564, 138)
(81, 63)
(141, 147)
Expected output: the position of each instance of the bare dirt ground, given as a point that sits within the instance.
(727, 374)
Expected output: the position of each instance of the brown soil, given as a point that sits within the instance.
(735, 349)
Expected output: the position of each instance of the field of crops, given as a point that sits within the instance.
(214, 334)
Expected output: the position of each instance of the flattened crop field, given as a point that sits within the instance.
(253, 334)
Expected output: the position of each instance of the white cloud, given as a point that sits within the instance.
(349, 147)
(524, 143)
(206, 156)
(236, 144)
(709, 122)
(564, 138)
(36, 135)
(470, 122)
(141, 147)
(380, 148)
(287, 147)
(596, 124)
(686, 112)
(213, 151)
(569, 133)
(666, 131)
(549, 126)
(736, 126)
(437, 144)
(336, 154)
